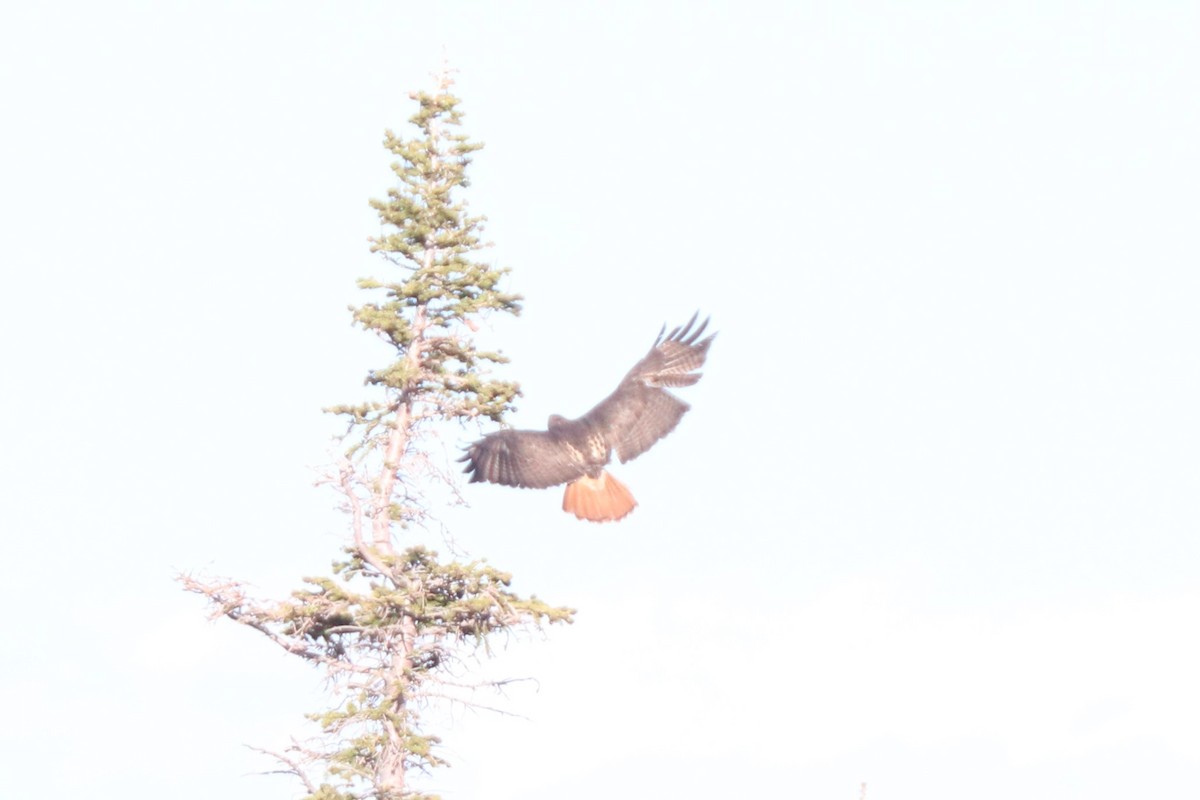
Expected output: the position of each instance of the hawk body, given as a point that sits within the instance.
(626, 424)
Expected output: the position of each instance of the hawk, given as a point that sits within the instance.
(627, 423)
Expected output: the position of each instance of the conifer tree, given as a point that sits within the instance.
(395, 627)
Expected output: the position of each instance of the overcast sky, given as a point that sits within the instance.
(932, 522)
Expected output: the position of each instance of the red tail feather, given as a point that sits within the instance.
(602, 499)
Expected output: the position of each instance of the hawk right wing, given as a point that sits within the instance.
(641, 411)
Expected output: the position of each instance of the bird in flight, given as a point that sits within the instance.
(627, 423)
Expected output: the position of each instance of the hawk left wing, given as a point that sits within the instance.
(528, 459)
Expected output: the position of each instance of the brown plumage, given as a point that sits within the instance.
(627, 423)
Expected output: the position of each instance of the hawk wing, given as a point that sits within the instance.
(641, 411)
(529, 459)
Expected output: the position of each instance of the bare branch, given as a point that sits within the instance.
(293, 766)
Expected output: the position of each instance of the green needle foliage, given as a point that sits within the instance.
(396, 628)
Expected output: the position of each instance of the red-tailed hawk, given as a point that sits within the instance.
(627, 423)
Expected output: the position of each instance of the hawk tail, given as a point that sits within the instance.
(601, 499)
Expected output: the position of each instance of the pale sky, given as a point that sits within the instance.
(932, 522)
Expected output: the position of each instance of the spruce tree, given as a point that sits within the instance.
(395, 627)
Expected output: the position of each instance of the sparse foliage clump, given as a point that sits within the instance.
(396, 628)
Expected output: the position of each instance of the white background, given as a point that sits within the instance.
(930, 526)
